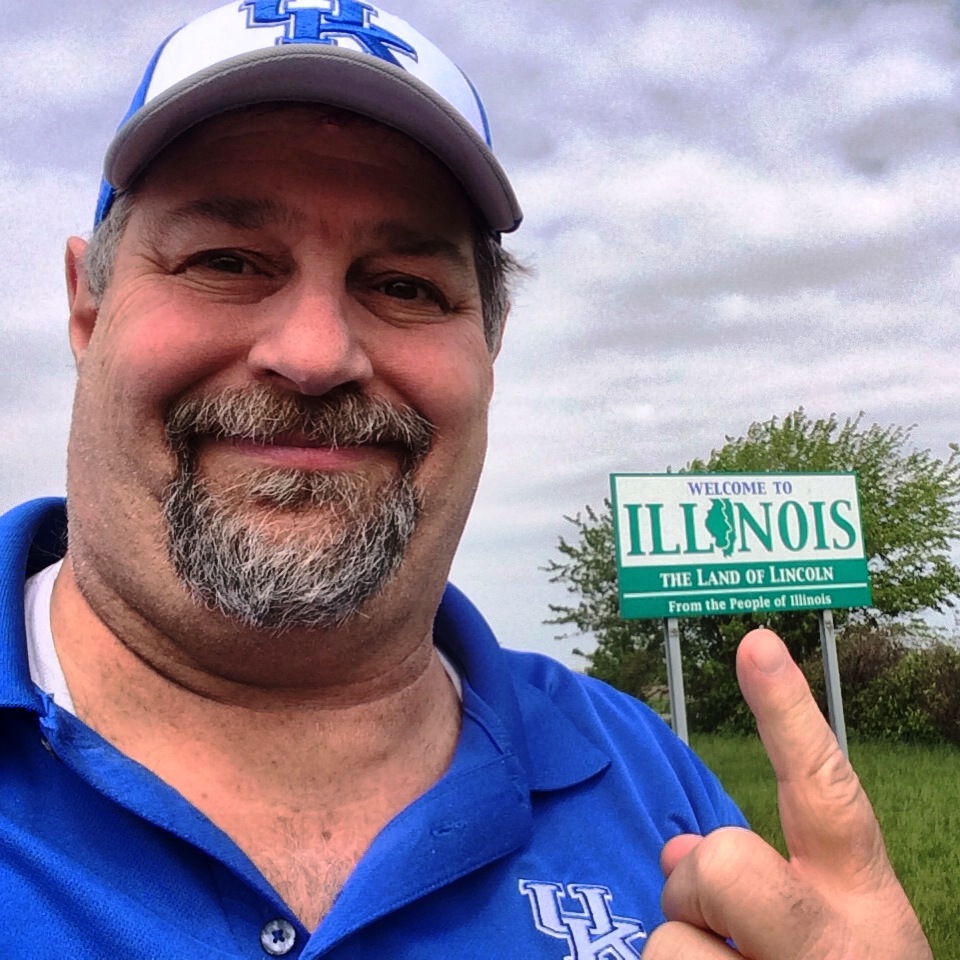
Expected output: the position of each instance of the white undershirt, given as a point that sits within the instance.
(45, 669)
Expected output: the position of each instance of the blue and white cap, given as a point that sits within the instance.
(342, 53)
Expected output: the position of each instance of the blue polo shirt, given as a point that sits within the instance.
(540, 841)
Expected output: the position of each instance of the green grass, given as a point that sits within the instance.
(915, 793)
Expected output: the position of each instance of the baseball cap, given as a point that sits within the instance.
(342, 53)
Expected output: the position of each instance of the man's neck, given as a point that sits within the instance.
(109, 673)
(319, 769)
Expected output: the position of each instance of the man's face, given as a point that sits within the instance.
(288, 373)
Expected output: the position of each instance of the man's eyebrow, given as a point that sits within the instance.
(402, 239)
(241, 213)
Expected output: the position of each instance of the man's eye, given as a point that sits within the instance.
(221, 261)
(403, 288)
(226, 263)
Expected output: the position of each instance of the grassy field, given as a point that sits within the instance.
(915, 793)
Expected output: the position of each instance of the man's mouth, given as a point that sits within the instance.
(302, 438)
(299, 452)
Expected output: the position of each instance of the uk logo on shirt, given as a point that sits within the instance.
(592, 931)
(319, 22)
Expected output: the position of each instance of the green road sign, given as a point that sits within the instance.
(696, 545)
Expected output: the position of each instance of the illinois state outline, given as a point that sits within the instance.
(719, 524)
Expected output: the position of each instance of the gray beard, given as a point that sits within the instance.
(242, 552)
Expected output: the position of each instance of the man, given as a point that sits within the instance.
(245, 716)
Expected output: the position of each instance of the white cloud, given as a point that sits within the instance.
(42, 207)
(695, 44)
(895, 78)
(43, 71)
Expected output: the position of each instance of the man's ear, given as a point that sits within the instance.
(83, 309)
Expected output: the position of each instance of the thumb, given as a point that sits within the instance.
(675, 850)
(827, 820)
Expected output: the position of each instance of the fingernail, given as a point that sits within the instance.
(770, 656)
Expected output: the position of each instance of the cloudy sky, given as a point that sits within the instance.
(733, 208)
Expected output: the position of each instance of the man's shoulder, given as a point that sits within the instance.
(639, 745)
(592, 705)
(562, 683)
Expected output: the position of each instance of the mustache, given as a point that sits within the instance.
(341, 418)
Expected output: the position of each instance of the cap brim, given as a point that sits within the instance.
(327, 74)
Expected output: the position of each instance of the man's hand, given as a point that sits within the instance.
(837, 897)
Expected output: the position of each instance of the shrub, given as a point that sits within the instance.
(634, 671)
(894, 706)
(890, 691)
(864, 653)
(942, 664)
(714, 701)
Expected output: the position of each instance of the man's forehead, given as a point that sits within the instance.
(247, 213)
(239, 212)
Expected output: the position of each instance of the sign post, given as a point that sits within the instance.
(678, 703)
(831, 679)
(698, 545)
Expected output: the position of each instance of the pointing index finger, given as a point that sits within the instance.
(827, 820)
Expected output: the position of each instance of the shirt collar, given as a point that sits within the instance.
(32, 536)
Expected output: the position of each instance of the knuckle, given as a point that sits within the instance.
(838, 781)
(839, 803)
(726, 857)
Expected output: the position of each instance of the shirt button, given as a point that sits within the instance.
(278, 937)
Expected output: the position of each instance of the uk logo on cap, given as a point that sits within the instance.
(307, 22)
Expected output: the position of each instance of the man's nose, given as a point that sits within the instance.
(309, 343)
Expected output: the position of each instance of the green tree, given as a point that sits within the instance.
(910, 504)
